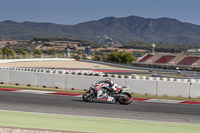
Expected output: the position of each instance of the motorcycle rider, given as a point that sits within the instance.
(109, 84)
(113, 86)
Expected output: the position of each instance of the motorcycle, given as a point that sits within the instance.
(121, 95)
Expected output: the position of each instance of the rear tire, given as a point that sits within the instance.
(126, 99)
(89, 96)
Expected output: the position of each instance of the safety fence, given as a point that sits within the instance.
(81, 80)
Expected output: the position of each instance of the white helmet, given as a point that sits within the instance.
(108, 80)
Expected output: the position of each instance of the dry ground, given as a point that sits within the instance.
(118, 49)
(57, 64)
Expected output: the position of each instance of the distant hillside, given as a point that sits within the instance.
(109, 30)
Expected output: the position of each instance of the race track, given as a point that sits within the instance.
(69, 105)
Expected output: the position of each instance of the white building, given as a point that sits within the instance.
(193, 50)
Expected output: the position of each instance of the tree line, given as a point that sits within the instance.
(116, 57)
(5, 51)
(54, 38)
(80, 42)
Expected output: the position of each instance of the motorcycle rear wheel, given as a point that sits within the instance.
(89, 96)
(126, 99)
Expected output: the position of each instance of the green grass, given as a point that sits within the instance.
(146, 75)
(91, 124)
(177, 76)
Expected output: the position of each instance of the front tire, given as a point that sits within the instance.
(126, 99)
(89, 96)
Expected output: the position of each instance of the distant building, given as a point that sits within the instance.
(68, 53)
(88, 50)
(193, 50)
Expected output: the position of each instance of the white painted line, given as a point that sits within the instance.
(34, 91)
(163, 101)
(79, 96)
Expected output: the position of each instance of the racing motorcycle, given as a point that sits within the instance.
(121, 95)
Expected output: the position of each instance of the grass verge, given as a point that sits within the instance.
(167, 75)
(91, 124)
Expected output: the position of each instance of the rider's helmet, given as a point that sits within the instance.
(109, 81)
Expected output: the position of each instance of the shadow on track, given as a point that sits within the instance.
(93, 102)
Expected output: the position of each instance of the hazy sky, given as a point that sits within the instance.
(76, 11)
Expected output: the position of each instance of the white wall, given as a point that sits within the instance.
(139, 86)
(23, 78)
(173, 88)
(5, 76)
(51, 80)
(195, 90)
(81, 82)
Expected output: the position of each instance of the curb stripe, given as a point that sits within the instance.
(189, 102)
(10, 89)
(140, 99)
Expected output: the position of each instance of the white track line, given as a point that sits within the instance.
(34, 91)
(163, 101)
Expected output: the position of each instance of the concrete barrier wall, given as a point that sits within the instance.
(195, 90)
(51, 80)
(81, 82)
(23, 78)
(173, 88)
(142, 86)
(4, 77)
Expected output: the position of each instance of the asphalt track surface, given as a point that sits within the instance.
(138, 110)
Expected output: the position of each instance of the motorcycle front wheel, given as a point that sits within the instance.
(127, 98)
(89, 96)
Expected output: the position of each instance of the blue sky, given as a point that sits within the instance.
(76, 11)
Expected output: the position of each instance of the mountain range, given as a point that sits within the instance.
(109, 30)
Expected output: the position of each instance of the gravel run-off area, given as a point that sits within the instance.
(57, 64)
